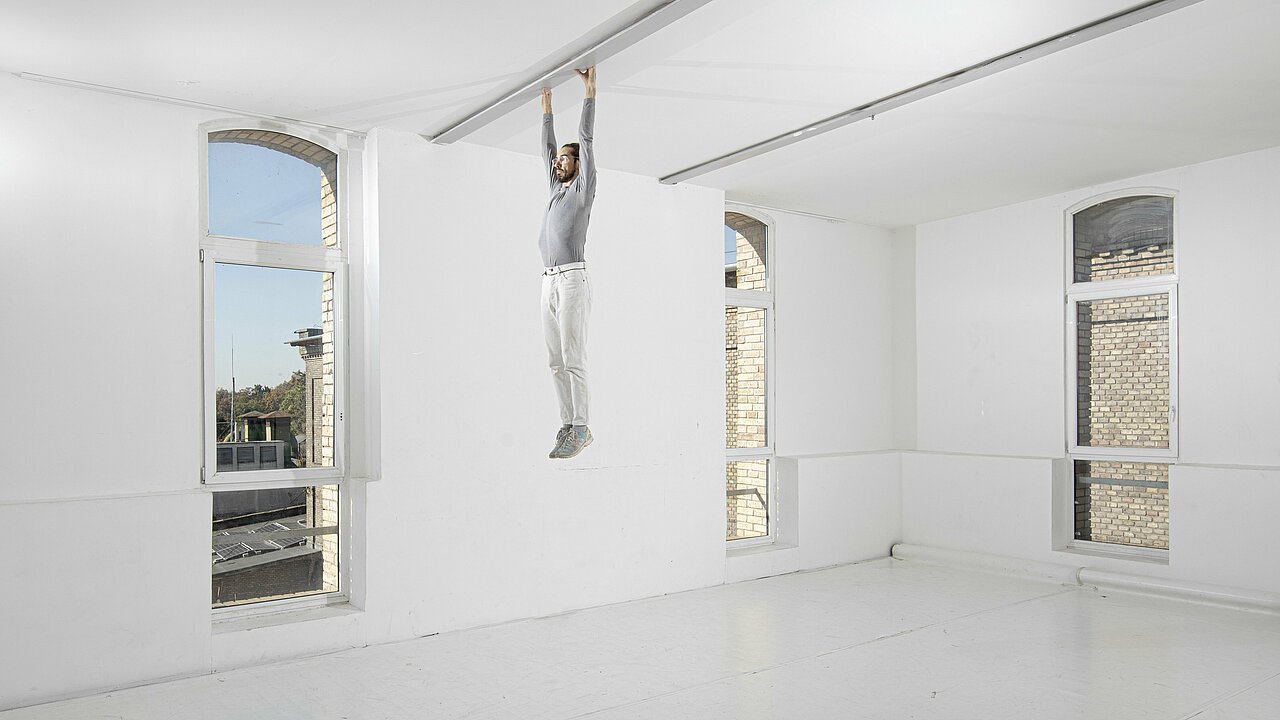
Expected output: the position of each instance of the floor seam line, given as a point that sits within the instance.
(788, 663)
(1227, 696)
(966, 616)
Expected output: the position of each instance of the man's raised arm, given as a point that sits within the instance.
(549, 147)
(586, 131)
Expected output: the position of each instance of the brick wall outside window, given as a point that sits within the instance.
(1123, 371)
(746, 407)
(1119, 513)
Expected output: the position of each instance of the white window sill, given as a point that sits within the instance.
(284, 616)
(758, 549)
(1117, 552)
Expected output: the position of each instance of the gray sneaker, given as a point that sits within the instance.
(574, 442)
(561, 434)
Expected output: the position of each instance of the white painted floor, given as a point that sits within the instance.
(886, 639)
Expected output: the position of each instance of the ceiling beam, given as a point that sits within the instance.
(592, 52)
(1048, 46)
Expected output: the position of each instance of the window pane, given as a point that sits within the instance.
(744, 377)
(1125, 503)
(745, 252)
(730, 257)
(276, 543)
(1128, 237)
(747, 499)
(273, 346)
(270, 186)
(1123, 372)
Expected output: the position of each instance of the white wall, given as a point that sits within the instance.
(471, 523)
(99, 286)
(468, 522)
(905, 395)
(1227, 302)
(850, 508)
(105, 528)
(834, 337)
(838, 499)
(985, 504)
(991, 376)
(989, 333)
(1223, 521)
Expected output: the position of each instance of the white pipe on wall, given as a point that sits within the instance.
(1101, 580)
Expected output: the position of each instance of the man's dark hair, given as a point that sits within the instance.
(575, 149)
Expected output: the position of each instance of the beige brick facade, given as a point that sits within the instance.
(1122, 512)
(1123, 372)
(1124, 238)
(323, 501)
(746, 406)
(322, 512)
(747, 499)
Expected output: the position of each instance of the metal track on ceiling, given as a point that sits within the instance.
(591, 53)
(1048, 46)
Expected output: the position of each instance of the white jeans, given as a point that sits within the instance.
(566, 306)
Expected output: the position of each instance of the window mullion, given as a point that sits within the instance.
(752, 453)
(1109, 290)
(749, 298)
(240, 251)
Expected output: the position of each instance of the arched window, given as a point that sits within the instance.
(274, 253)
(265, 185)
(1122, 367)
(749, 476)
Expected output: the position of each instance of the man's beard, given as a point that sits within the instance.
(564, 176)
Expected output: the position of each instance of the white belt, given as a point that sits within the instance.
(562, 268)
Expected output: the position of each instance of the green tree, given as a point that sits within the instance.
(288, 397)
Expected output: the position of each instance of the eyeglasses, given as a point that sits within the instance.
(565, 157)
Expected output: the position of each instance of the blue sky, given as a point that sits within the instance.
(730, 246)
(262, 194)
(258, 309)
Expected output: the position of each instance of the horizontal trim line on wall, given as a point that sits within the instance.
(772, 208)
(103, 498)
(1173, 463)
(1229, 466)
(198, 490)
(816, 456)
(981, 455)
(153, 97)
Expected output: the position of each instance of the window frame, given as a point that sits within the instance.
(1075, 292)
(760, 300)
(318, 599)
(214, 249)
(1120, 290)
(215, 254)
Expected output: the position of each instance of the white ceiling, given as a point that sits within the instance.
(1196, 84)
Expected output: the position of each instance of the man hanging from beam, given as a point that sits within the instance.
(566, 289)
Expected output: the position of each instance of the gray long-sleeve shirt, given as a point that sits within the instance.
(564, 227)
